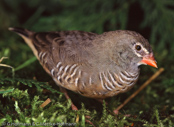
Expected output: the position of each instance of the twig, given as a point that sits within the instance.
(5, 65)
(3, 59)
(77, 118)
(140, 89)
(45, 103)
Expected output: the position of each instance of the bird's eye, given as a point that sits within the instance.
(138, 47)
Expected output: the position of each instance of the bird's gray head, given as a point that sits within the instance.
(129, 49)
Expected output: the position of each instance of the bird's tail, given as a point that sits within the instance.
(27, 36)
(21, 31)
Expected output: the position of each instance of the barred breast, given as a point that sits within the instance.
(94, 85)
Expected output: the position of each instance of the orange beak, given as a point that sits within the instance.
(149, 60)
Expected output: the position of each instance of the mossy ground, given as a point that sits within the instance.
(26, 86)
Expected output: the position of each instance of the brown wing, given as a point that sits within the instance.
(67, 47)
(61, 54)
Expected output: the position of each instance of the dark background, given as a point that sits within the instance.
(153, 19)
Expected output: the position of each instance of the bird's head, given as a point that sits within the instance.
(145, 53)
(131, 48)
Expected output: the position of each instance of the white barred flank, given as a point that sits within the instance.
(66, 68)
(110, 80)
(40, 54)
(74, 72)
(107, 80)
(101, 80)
(125, 76)
(136, 77)
(122, 80)
(65, 71)
(131, 83)
(90, 80)
(72, 67)
(69, 74)
(133, 74)
(129, 76)
(58, 78)
(113, 80)
(106, 86)
(66, 79)
(83, 84)
(60, 70)
(52, 71)
(59, 64)
(41, 57)
(118, 83)
(76, 81)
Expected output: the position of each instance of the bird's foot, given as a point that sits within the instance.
(88, 121)
(86, 117)
(116, 112)
(75, 107)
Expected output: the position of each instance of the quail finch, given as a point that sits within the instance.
(93, 65)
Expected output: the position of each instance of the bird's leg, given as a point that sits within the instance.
(116, 112)
(101, 101)
(63, 90)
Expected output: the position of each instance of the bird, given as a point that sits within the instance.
(94, 65)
